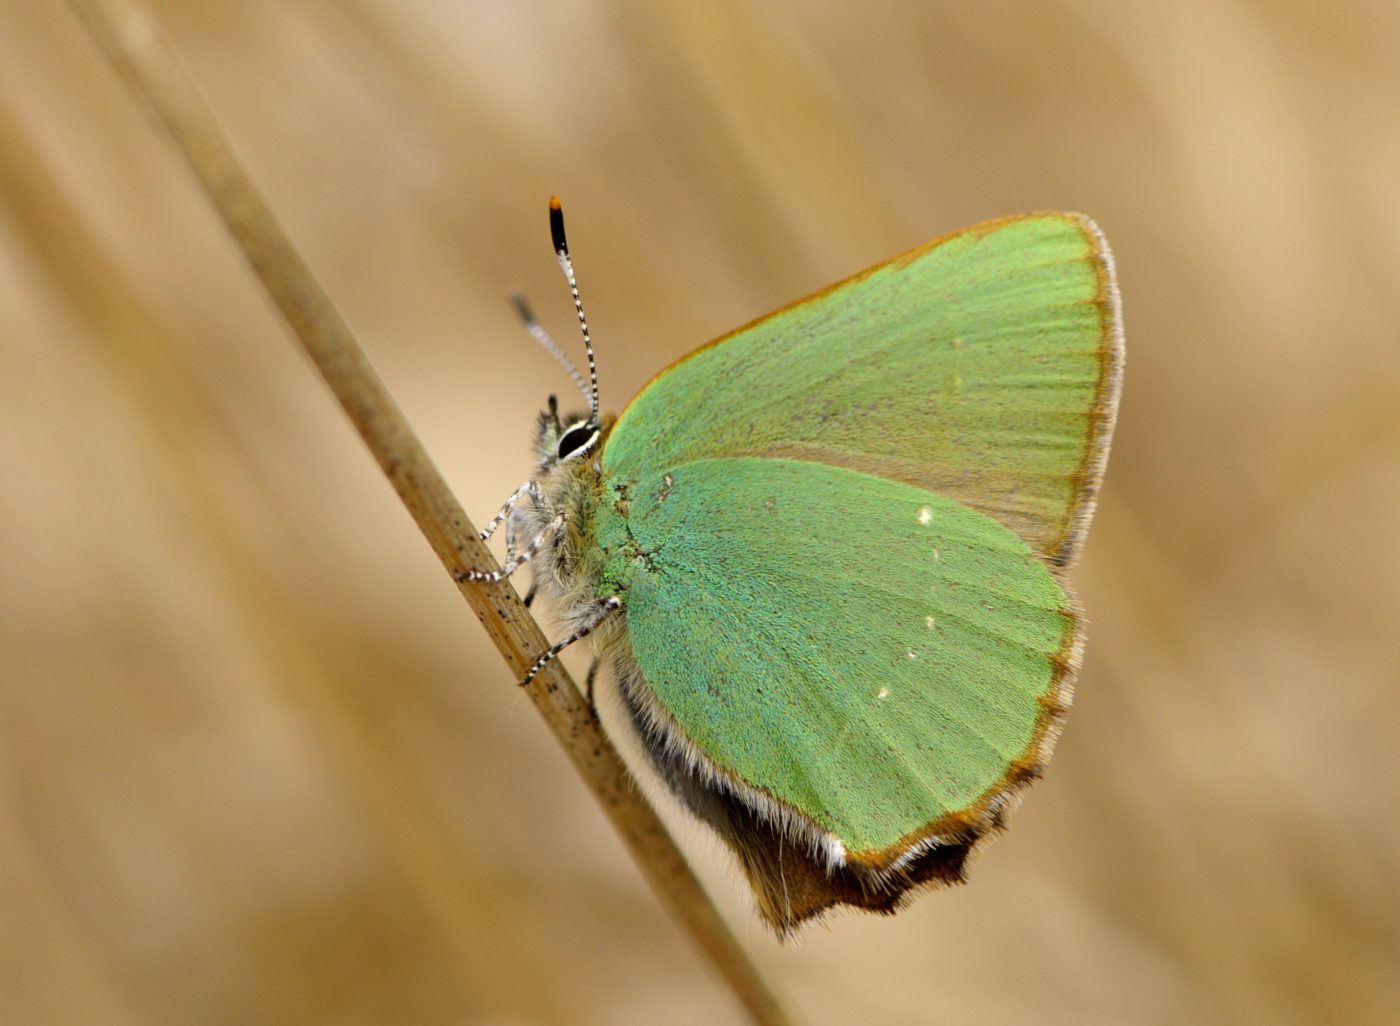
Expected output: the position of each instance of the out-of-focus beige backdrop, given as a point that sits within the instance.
(258, 763)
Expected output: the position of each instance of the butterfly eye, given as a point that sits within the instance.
(579, 436)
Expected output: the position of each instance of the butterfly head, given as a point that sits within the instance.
(567, 440)
(560, 440)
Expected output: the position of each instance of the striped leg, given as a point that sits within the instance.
(530, 488)
(553, 531)
(588, 689)
(601, 610)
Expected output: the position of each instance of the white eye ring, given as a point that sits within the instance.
(569, 444)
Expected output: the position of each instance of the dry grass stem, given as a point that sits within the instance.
(131, 40)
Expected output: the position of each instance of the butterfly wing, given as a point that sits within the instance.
(889, 662)
(836, 532)
(984, 366)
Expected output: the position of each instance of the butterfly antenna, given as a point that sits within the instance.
(537, 332)
(561, 250)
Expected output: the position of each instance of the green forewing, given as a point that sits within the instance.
(977, 367)
(863, 650)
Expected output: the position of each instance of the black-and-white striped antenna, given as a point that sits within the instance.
(561, 250)
(538, 333)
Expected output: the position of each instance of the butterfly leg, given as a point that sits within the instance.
(530, 488)
(529, 598)
(554, 528)
(510, 554)
(601, 610)
(588, 687)
(510, 537)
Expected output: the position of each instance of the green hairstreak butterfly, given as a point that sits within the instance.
(821, 559)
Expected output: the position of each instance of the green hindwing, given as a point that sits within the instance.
(864, 651)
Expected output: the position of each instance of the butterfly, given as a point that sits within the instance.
(821, 559)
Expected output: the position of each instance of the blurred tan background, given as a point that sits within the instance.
(258, 763)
